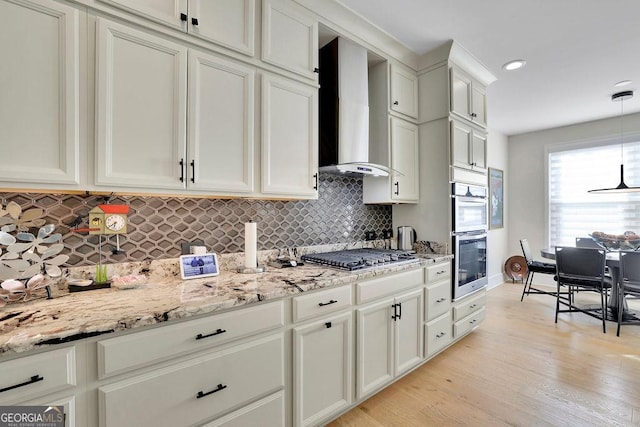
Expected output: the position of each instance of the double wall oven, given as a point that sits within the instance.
(469, 238)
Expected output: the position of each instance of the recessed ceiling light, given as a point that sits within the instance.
(622, 83)
(514, 65)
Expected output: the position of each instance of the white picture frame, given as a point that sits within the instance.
(196, 266)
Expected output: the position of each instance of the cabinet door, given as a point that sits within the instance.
(405, 159)
(289, 138)
(409, 335)
(461, 137)
(230, 23)
(375, 355)
(479, 104)
(289, 38)
(323, 369)
(221, 105)
(39, 113)
(479, 150)
(141, 109)
(460, 93)
(404, 91)
(166, 11)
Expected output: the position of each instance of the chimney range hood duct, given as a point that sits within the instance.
(344, 110)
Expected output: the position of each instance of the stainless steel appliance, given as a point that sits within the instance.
(469, 238)
(406, 238)
(360, 259)
(469, 208)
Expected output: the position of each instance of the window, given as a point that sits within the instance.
(573, 212)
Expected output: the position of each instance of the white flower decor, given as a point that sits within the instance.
(27, 261)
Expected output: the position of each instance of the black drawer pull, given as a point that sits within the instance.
(441, 334)
(215, 390)
(441, 272)
(441, 299)
(328, 324)
(183, 17)
(33, 379)
(217, 332)
(473, 305)
(195, 22)
(322, 304)
(395, 102)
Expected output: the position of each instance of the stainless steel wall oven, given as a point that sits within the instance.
(469, 238)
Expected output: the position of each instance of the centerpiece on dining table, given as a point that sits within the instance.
(628, 241)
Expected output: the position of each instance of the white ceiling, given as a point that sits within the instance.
(575, 51)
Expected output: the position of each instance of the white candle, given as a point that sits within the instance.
(250, 245)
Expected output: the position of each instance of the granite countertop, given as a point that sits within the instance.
(70, 316)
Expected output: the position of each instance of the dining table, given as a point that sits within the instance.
(613, 304)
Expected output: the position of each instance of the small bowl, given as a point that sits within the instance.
(80, 282)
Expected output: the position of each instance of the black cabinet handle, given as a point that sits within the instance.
(212, 334)
(33, 379)
(193, 171)
(215, 390)
(441, 272)
(474, 115)
(194, 22)
(181, 170)
(399, 311)
(397, 192)
(441, 299)
(316, 70)
(322, 304)
(395, 102)
(183, 17)
(395, 311)
(315, 176)
(441, 334)
(328, 324)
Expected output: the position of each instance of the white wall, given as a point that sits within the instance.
(526, 190)
(497, 239)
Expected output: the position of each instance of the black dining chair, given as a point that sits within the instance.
(628, 282)
(582, 269)
(534, 266)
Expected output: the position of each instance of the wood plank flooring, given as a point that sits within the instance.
(519, 369)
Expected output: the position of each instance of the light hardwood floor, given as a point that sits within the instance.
(519, 368)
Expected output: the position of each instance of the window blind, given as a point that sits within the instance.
(573, 212)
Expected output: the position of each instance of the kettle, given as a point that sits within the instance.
(406, 238)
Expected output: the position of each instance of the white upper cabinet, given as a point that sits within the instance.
(468, 97)
(289, 38)
(221, 131)
(289, 138)
(468, 147)
(141, 109)
(142, 115)
(404, 91)
(39, 101)
(229, 23)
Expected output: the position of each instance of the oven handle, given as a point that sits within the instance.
(474, 234)
(470, 199)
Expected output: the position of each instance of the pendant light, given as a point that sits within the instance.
(622, 187)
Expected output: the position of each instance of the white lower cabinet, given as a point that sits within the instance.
(469, 313)
(322, 369)
(437, 334)
(389, 340)
(197, 389)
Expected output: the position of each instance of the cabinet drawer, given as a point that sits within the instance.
(438, 272)
(31, 376)
(466, 307)
(318, 303)
(438, 299)
(267, 412)
(387, 285)
(465, 325)
(196, 390)
(437, 334)
(120, 354)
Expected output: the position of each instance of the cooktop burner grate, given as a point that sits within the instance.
(358, 259)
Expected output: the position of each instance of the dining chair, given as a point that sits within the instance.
(628, 282)
(534, 266)
(582, 269)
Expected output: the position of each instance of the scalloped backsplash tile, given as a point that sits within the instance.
(157, 226)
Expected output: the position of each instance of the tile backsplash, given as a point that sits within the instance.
(157, 226)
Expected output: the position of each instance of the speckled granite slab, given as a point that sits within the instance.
(71, 316)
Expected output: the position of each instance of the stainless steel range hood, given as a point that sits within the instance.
(344, 110)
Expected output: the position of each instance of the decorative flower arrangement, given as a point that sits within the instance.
(27, 261)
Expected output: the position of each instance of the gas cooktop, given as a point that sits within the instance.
(360, 259)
